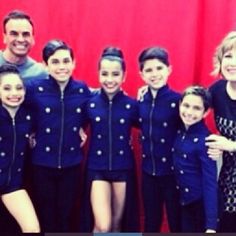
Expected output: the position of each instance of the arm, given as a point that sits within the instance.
(94, 91)
(217, 144)
(209, 187)
(141, 92)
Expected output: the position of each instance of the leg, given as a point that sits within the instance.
(20, 206)
(68, 188)
(199, 215)
(193, 217)
(153, 203)
(101, 205)
(118, 203)
(187, 219)
(7, 222)
(45, 196)
(173, 210)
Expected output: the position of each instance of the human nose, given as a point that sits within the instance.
(61, 65)
(189, 111)
(14, 92)
(155, 73)
(109, 78)
(20, 38)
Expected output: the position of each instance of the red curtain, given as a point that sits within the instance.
(189, 29)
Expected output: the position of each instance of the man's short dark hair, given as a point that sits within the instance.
(16, 14)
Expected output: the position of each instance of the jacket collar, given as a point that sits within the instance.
(4, 112)
(56, 85)
(161, 91)
(116, 97)
(195, 128)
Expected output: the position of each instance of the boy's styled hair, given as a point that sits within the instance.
(52, 46)
(201, 92)
(158, 53)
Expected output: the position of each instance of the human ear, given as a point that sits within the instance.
(170, 69)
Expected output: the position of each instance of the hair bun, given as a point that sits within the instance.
(112, 52)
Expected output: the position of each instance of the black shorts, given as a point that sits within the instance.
(110, 176)
(13, 185)
(10, 188)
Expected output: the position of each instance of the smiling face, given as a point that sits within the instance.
(12, 91)
(18, 37)
(60, 66)
(191, 109)
(155, 73)
(111, 76)
(228, 65)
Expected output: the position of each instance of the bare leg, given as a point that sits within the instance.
(20, 206)
(101, 205)
(118, 203)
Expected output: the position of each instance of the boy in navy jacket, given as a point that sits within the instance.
(196, 173)
(159, 119)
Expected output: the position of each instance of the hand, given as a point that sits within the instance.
(214, 153)
(141, 92)
(83, 137)
(32, 140)
(94, 91)
(220, 142)
(210, 231)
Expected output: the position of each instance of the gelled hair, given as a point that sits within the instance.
(202, 92)
(158, 53)
(52, 46)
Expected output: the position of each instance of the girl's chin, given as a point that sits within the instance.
(107, 90)
(12, 105)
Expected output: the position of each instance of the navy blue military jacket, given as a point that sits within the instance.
(196, 173)
(159, 119)
(111, 122)
(14, 140)
(58, 118)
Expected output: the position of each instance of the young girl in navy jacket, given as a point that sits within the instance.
(111, 114)
(15, 129)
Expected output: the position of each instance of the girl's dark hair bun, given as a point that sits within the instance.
(112, 52)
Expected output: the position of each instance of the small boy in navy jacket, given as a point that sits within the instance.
(196, 173)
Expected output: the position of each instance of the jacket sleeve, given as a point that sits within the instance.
(209, 186)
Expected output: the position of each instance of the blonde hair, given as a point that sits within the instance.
(228, 43)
